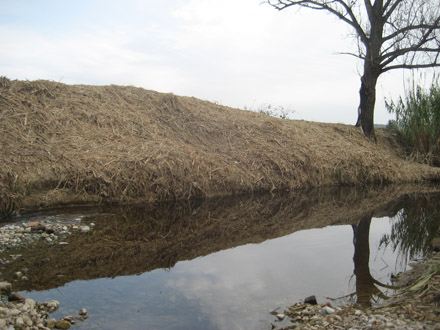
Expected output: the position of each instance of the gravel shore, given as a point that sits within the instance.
(415, 307)
(17, 312)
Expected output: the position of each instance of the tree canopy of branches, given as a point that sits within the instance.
(390, 34)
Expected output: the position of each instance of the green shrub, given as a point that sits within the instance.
(418, 120)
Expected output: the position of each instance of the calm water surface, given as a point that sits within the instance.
(237, 286)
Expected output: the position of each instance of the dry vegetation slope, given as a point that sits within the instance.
(62, 143)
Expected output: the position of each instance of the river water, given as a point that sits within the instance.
(225, 264)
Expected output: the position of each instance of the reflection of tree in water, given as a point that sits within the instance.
(367, 288)
(412, 232)
(415, 226)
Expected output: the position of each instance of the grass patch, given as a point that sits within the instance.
(418, 120)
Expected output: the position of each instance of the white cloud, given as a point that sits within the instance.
(239, 53)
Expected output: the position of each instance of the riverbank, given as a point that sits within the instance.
(76, 144)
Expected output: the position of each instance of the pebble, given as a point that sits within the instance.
(29, 314)
(326, 310)
(62, 324)
(52, 229)
(5, 287)
(21, 313)
(349, 318)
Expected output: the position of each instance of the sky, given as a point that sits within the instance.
(242, 54)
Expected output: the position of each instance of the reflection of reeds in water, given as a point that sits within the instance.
(139, 239)
(415, 226)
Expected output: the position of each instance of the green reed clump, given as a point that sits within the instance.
(418, 120)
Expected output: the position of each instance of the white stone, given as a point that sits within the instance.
(30, 302)
(13, 312)
(85, 229)
(5, 287)
(52, 304)
(19, 321)
(326, 310)
(27, 320)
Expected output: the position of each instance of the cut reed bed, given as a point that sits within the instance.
(87, 144)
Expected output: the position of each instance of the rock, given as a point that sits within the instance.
(52, 305)
(82, 311)
(311, 300)
(326, 310)
(16, 297)
(70, 319)
(5, 287)
(27, 320)
(30, 302)
(62, 324)
(436, 244)
(280, 316)
(50, 323)
(13, 312)
(2, 324)
(19, 321)
(85, 229)
(18, 275)
(35, 226)
(49, 230)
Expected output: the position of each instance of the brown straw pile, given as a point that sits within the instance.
(85, 144)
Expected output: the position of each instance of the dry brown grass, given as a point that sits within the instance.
(74, 144)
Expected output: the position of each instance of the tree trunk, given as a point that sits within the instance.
(367, 102)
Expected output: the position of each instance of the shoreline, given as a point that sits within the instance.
(415, 306)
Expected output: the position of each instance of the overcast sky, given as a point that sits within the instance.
(238, 53)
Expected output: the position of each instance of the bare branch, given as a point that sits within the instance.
(392, 9)
(411, 66)
(369, 8)
(328, 5)
(352, 54)
(409, 28)
(415, 49)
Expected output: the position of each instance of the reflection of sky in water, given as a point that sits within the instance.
(231, 289)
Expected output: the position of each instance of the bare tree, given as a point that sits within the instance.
(391, 34)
